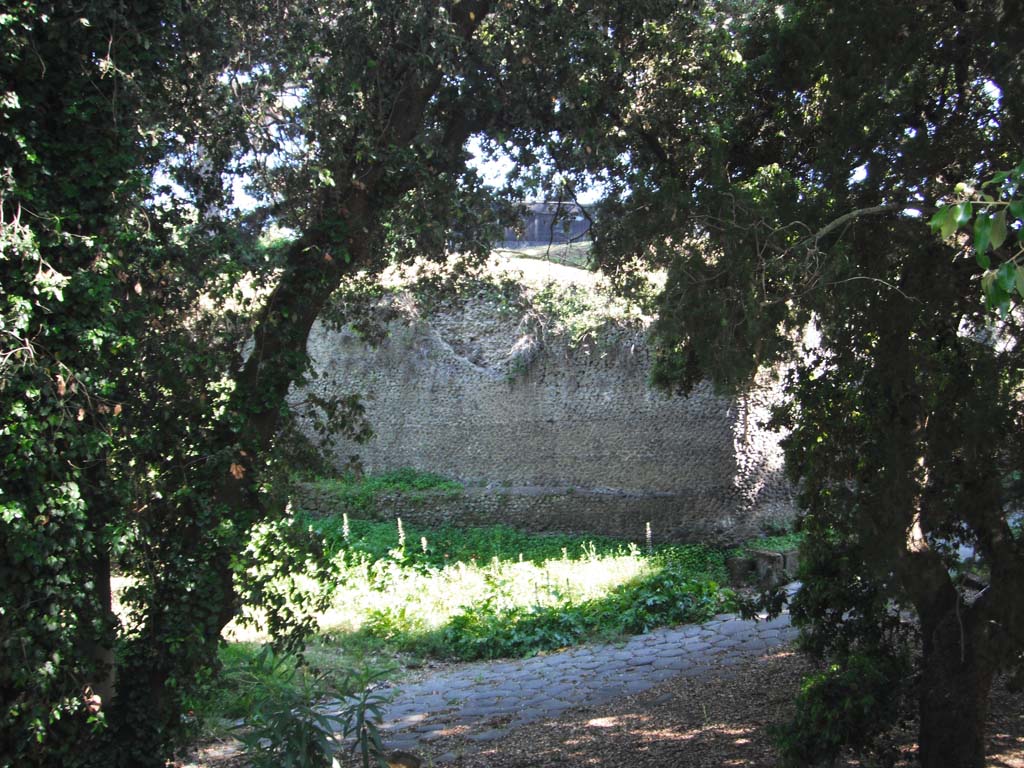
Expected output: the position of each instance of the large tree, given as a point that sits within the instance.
(782, 161)
(143, 432)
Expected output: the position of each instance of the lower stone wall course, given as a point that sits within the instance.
(674, 517)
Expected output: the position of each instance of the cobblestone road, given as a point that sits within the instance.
(486, 700)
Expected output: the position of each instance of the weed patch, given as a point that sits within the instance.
(359, 495)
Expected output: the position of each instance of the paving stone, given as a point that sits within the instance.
(643, 660)
(404, 720)
(680, 664)
(696, 644)
(661, 675)
(408, 743)
(638, 685)
(779, 622)
(735, 627)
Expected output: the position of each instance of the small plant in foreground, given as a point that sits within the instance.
(362, 714)
(288, 726)
(284, 729)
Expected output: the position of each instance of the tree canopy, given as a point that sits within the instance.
(143, 432)
(786, 183)
(781, 161)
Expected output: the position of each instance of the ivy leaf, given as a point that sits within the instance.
(1007, 276)
(944, 220)
(988, 284)
(997, 236)
(963, 213)
(998, 178)
(982, 236)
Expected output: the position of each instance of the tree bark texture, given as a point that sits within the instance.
(955, 684)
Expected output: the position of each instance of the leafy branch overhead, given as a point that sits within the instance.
(994, 216)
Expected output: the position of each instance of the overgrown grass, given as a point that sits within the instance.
(490, 592)
(573, 254)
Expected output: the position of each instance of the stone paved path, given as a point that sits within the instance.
(486, 700)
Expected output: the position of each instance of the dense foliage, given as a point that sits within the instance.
(404, 593)
(492, 592)
(152, 328)
(781, 161)
(786, 183)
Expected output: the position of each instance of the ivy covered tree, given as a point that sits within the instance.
(782, 162)
(144, 435)
(82, 262)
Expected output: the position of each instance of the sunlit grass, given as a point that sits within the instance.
(407, 593)
(431, 597)
(392, 601)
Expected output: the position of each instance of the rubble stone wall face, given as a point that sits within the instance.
(548, 435)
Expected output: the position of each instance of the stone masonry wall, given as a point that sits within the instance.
(549, 435)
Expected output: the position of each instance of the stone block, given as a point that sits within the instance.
(792, 563)
(770, 568)
(741, 570)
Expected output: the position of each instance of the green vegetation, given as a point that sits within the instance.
(360, 494)
(489, 592)
(780, 161)
(400, 592)
(785, 542)
(577, 311)
(849, 706)
(570, 254)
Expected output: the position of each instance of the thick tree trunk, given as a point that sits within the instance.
(955, 685)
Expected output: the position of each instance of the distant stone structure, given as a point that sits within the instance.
(548, 222)
(549, 434)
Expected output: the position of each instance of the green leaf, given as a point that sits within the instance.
(1020, 280)
(999, 178)
(1017, 209)
(988, 282)
(998, 234)
(944, 220)
(1007, 276)
(983, 260)
(963, 213)
(982, 234)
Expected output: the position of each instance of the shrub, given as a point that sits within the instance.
(288, 725)
(850, 705)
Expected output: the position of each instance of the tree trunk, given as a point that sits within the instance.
(955, 685)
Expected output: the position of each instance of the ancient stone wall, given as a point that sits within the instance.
(552, 433)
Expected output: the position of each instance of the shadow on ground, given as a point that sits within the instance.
(719, 719)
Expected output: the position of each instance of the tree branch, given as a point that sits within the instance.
(848, 217)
